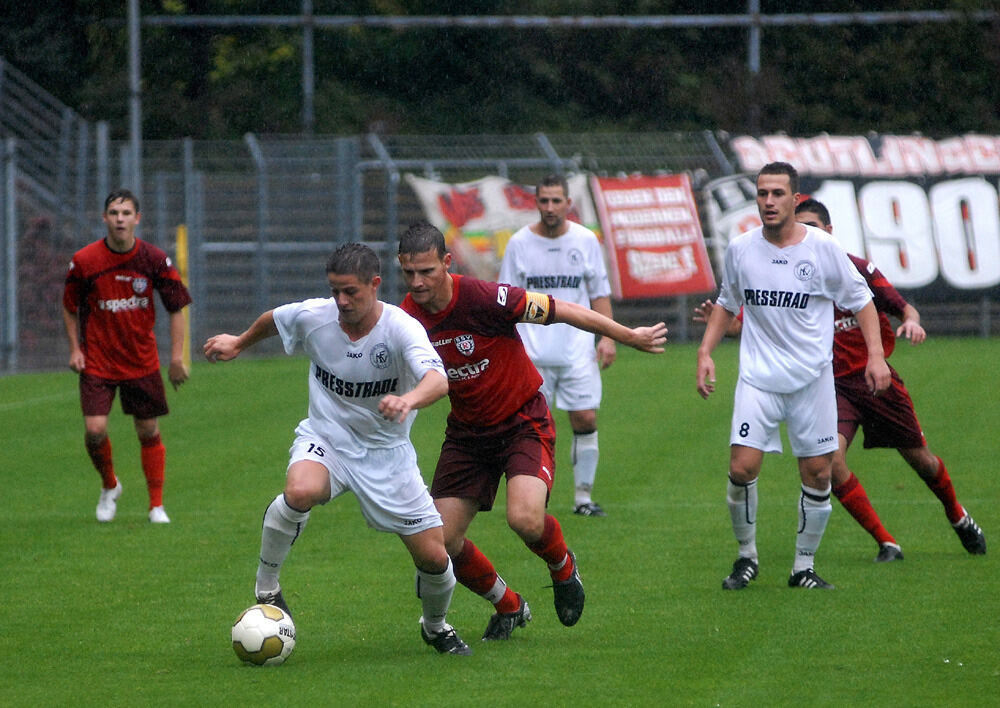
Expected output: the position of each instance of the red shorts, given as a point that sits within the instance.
(473, 459)
(887, 419)
(142, 398)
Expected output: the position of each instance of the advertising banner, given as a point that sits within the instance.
(925, 212)
(478, 218)
(653, 236)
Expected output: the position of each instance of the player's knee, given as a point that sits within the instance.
(526, 524)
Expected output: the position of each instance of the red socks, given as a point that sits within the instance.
(153, 456)
(475, 571)
(551, 548)
(101, 457)
(945, 491)
(852, 495)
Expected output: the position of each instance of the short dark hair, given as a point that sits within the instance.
(422, 236)
(782, 168)
(553, 180)
(124, 195)
(816, 207)
(354, 259)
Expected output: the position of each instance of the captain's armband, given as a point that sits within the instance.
(538, 308)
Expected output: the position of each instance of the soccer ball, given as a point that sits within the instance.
(263, 635)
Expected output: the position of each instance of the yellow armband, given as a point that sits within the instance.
(537, 308)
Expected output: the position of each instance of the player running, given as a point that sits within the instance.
(500, 424)
(371, 368)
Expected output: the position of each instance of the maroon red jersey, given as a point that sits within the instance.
(112, 294)
(850, 355)
(490, 376)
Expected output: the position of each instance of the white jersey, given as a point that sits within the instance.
(347, 380)
(787, 296)
(569, 267)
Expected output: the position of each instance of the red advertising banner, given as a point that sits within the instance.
(653, 237)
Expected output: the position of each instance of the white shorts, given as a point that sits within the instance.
(387, 483)
(810, 416)
(572, 388)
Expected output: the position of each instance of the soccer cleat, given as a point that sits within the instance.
(744, 570)
(158, 516)
(808, 579)
(446, 641)
(589, 509)
(971, 535)
(502, 624)
(107, 503)
(273, 598)
(888, 552)
(569, 596)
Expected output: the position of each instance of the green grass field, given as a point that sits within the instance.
(131, 614)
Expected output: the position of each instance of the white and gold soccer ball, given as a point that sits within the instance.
(263, 635)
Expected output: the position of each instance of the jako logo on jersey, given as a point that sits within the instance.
(140, 285)
(776, 298)
(124, 304)
(779, 261)
(354, 355)
(465, 344)
(354, 389)
(804, 270)
(502, 295)
(468, 371)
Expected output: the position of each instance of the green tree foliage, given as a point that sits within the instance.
(221, 82)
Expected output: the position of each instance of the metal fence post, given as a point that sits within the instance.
(263, 213)
(391, 215)
(8, 271)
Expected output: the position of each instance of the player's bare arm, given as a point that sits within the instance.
(177, 373)
(224, 347)
(877, 370)
(76, 358)
(718, 322)
(911, 328)
(646, 339)
(606, 349)
(432, 387)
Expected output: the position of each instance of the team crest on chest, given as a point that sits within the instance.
(139, 285)
(465, 344)
(575, 257)
(804, 270)
(379, 356)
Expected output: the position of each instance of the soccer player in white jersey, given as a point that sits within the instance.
(371, 367)
(564, 259)
(786, 277)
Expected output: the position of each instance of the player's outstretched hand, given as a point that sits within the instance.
(221, 347)
(702, 311)
(650, 339)
(912, 331)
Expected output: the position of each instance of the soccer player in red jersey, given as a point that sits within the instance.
(499, 425)
(888, 419)
(109, 314)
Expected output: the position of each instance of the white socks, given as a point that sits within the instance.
(282, 525)
(814, 512)
(584, 456)
(434, 591)
(742, 501)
